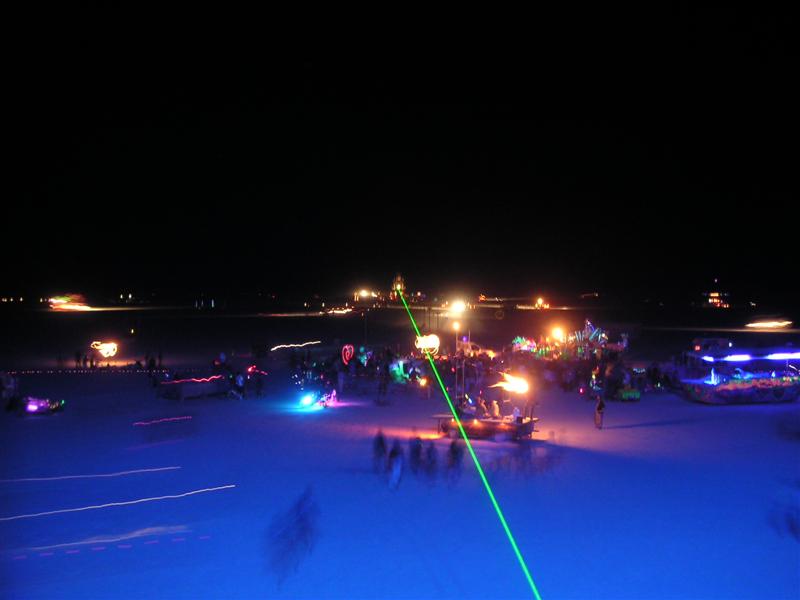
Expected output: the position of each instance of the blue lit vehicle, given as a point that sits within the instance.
(764, 375)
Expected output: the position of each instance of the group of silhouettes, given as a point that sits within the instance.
(422, 458)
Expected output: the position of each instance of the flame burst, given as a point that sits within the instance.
(513, 384)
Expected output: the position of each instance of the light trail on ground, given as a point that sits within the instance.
(113, 504)
(99, 475)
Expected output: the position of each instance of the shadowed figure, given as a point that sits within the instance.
(292, 535)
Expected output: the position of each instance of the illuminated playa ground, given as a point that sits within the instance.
(670, 500)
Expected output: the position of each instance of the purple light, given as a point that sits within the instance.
(738, 358)
(708, 358)
(783, 356)
(31, 407)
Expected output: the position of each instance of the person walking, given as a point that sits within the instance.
(598, 412)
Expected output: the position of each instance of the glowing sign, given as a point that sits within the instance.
(294, 345)
(427, 343)
(512, 384)
(347, 353)
(106, 349)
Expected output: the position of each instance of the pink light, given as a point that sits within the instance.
(164, 420)
(193, 380)
(347, 353)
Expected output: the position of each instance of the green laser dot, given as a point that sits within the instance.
(475, 460)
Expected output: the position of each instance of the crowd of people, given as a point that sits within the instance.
(423, 459)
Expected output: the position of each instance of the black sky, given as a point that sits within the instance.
(653, 154)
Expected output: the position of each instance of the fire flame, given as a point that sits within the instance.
(107, 349)
(513, 384)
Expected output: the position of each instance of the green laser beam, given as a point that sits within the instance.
(475, 460)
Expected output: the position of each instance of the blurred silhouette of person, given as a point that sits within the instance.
(598, 412)
(379, 452)
(431, 460)
(395, 465)
(415, 452)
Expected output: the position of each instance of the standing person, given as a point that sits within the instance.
(383, 383)
(495, 410)
(455, 455)
(415, 452)
(77, 359)
(395, 465)
(341, 375)
(160, 361)
(598, 412)
(431, 460)
(379, 452)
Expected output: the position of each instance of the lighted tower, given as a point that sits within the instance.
(398, 285)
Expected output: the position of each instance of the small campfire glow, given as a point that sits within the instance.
(106, 349)
(513, 384)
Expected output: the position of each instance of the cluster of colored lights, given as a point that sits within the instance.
(475, 461)
(74, 302)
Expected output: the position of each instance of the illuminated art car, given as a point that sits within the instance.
(493, 429)
(40, 406)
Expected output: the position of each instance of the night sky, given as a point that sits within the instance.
(649, 158)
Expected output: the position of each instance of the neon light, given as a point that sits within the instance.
(157, 421)
(295, 345)
(427, 343)
(202, 380)
(32, 407)
(783, 356)
(107, 349)
(348, 351)
(307, 400)
(512, 384)
(111, 504)
(708, 359)
(738, 358)
(474, 457)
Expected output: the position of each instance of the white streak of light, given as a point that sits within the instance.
(118, 474)
(110, 504)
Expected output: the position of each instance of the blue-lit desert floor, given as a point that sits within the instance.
(126, 495)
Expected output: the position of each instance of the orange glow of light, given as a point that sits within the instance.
(769, 324)
(106, 349)
(423, 381)
(512, 384)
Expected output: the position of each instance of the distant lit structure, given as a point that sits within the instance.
(398, 285)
